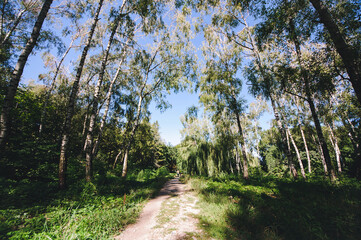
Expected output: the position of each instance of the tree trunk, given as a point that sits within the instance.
(352, 133)
(125, 164)
(257, 144)
(267, 81)
(320, 135)
(116, 159)
(303, 136)
(297, 153)
(321, 155)
(89, 139)
(231, 165)
(16, 23)
(141, 96)
(349, 55)
(18, 71)
(85, 123)
(132, 133)
(349, 126)
(309, 97)
(107, 104)
(334, 142)
(293, 142)
(238, 161)
(306, 149)
(284, 141)
(243, 147)
(71, 103)
(292, 167)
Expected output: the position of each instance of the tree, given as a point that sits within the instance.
(350, 53)
(94, 107)
(53, 81)
(167, 65)
(220, 86)
(72, 99)
(292, 140)
(18, 71)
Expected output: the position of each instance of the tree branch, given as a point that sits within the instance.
(294, 94)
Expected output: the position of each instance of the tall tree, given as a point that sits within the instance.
(350, 53)
(108, 98)
(260, 75)
(18, 71)
(167, 65)
(94, 108)
(292, 140)
(220, 84)
(309, 97)
(72, 100)
(303, 134)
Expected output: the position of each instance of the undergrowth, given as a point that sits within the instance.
(97, 210)
(271, 208)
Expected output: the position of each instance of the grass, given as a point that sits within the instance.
(98, 210)
(169, 209)
(271, 208)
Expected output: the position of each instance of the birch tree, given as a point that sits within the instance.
(72, 99)
(18, 71)
(94, 108)
(166, 65)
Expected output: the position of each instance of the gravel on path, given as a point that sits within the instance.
(169, 216)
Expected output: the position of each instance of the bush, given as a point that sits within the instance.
(162, 172)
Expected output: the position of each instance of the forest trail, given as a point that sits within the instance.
(170, 215)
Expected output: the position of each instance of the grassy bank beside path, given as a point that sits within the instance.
(98, 210)
(271, 208)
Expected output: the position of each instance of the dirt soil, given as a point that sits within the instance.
(169, 216)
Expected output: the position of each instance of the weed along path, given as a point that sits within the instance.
(170, 215)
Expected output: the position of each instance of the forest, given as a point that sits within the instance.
(79, 155)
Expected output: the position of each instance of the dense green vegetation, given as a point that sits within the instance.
(97, 210)
(278, 208)
(79, 153)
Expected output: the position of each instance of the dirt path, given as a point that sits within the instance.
(168, 216)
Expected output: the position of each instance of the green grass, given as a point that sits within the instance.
(271, 208)
(169, 209)
(99, 210)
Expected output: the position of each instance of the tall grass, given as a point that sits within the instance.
(272, 208)
(98, 210)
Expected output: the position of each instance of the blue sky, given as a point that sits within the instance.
(169, 121)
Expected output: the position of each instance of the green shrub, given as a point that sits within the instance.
(162, 172)
(86, 210)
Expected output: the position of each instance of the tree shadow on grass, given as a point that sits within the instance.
(289, 209)
(25, 204)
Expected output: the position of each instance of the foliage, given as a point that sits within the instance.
(99, 210)
(276, 208)
(283, 51)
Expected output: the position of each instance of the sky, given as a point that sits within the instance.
(170, 123)
(169, 120)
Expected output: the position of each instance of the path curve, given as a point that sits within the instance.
(169, 216)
